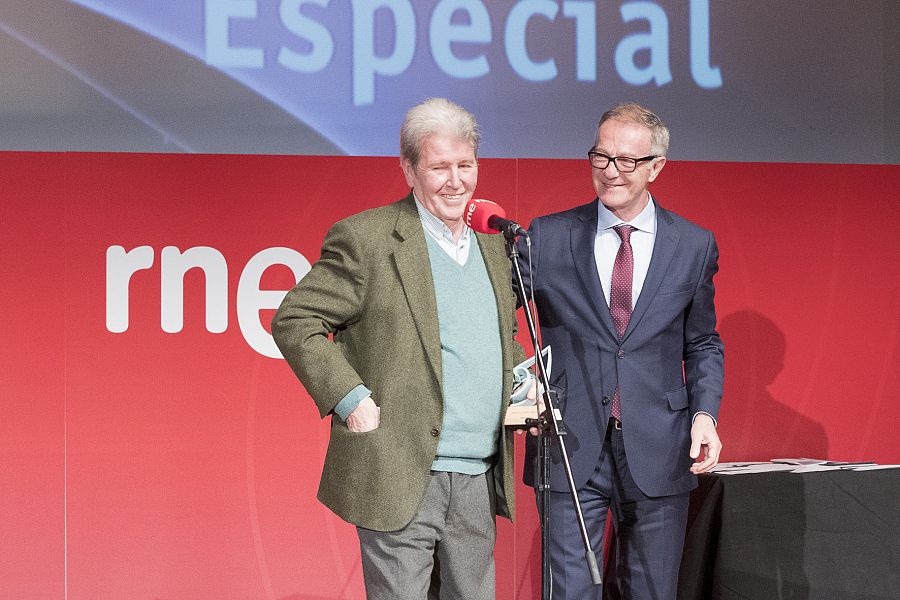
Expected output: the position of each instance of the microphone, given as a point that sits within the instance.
(485, 216)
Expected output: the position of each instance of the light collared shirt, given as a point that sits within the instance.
(438, 230)
(607, 242)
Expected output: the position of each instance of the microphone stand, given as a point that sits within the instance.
(550, 428)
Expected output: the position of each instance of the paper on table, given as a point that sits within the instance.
(794, 465)
(817, 467)
(738, 465)
(754, 467)
(800, 461)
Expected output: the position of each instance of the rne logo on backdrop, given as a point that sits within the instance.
(121, 265)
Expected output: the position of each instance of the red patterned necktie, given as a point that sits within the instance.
(620, 295)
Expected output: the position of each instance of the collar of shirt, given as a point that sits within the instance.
(438, 230)
(645, 221)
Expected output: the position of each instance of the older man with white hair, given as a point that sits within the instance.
(416, 378)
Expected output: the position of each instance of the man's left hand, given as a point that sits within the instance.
(532, 395)
(704, 438)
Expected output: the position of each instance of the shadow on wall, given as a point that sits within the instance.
(753, 424)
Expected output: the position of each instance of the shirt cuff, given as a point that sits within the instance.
(349, 402)
(702, 412)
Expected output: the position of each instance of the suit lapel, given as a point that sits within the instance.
(664, 248)
(414, 269)
(582, 244)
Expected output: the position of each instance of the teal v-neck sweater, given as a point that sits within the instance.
(471, 361)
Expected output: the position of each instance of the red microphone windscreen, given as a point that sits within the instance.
(479, 211)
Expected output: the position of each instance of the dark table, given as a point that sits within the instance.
(821, 535)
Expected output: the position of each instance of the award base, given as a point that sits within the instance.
(516, 415)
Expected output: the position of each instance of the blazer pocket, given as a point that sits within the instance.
(358, 433)
(361, 434)
(676, 289)
(678, 399)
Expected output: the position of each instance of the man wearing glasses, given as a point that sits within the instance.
(624, 292)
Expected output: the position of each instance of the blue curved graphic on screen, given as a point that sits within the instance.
(168, 135)
(180, 25)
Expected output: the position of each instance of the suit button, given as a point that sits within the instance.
(434, 431)
(605, 400)
(620, 353)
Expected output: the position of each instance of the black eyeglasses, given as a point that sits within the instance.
(623, 164)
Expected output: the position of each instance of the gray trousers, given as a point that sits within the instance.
(446, 551)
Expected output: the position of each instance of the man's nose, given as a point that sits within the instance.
(453, 179)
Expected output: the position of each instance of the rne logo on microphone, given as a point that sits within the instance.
(473, 206)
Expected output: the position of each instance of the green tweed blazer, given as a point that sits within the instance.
(372, 289)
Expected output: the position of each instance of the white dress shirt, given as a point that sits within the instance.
(607, 242)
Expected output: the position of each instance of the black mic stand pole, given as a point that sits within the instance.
(550, 428)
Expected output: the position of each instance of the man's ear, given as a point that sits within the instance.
(408, 171)
(656, 167)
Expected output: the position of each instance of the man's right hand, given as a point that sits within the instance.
(365, 417)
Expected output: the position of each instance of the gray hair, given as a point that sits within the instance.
(631, 112)
(436, 115)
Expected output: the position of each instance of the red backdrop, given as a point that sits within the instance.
(147, 464)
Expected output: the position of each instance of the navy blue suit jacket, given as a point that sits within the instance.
(669, 364)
